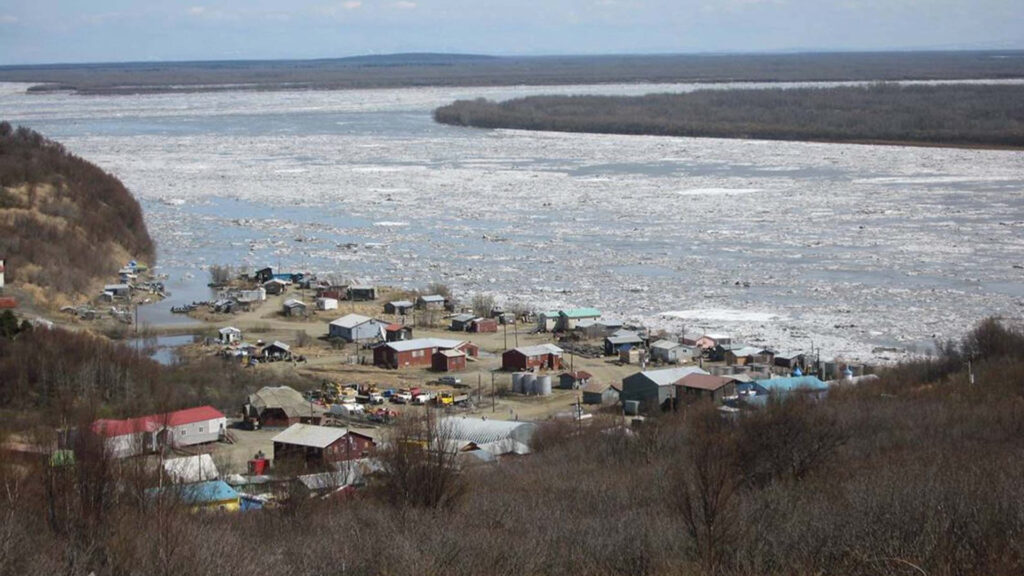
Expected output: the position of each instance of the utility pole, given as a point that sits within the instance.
(515, 327)
(492, 393)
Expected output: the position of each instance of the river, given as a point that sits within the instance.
(851, 247)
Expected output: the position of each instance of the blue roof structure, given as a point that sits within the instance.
(790, 384)
(199, 493)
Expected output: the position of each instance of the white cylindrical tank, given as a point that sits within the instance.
(544, 385)
(529, 382)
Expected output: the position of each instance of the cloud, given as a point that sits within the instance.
(197, 10)
(8, 19)
(405, 5)
(352, 4)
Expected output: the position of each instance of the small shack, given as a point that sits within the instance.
(397, 333)
(293, 307)
(275, 352)
(574, 380)
(325, 303)
(430, 302)
(483, 325)
(398, 307)
(599, 393)
(362, 292)
(448, 361)
(229, 335)
(461, 322)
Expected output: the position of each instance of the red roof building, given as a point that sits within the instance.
(148, 433)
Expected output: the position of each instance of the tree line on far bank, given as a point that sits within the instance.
(962, 115)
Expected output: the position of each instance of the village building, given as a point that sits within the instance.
(264, 275)
(497, 437)
(117, 291)
(740, 355)
(397, 333)
(461, 322)
(418, 352)
(710, 341)
(293, 307)
(548, 321)
(672, 352)
(567, 319)
(483, 325)
(319, 446)
(356, 328)
(276, 352)
(448, 361)
(190, 469)
(337, 291)
(147, 434)
(229, 335)
(542, 356)
(399, 307)
(621, 340)
(213, 495)
(431, 302)
(599, 393)
(326, 303)
(275, 286)
(694, 387)
(758, 391)
(574, 380)
(655, 387)
(279, 406)
(362, 292)
(789, 360)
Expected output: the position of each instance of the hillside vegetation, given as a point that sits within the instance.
(964, 115)
(66, 226)
(918, 473)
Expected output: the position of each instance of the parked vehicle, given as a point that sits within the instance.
(450, 380)
(401, 398)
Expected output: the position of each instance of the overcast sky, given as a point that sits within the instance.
(47, 31)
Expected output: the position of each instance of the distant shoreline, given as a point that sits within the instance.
(454, 70)
(966, 116)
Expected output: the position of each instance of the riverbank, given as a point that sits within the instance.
(987, 116)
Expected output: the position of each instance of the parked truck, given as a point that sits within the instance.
(449, 398)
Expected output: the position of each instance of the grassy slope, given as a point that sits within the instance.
(66, 226)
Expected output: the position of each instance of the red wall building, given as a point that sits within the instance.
(544, 356)
(418, 352)
(449, 360)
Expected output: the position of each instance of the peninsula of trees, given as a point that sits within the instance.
(65, 224)
(947, 115)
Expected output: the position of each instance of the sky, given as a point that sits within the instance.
(58, 31)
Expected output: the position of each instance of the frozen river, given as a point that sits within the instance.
(851, 247)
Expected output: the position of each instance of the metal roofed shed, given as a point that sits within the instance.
(494, 436)
(310, 435)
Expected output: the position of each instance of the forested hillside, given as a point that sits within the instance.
(963, 115)
(66, 226)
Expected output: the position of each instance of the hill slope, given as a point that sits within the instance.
(66, 226)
